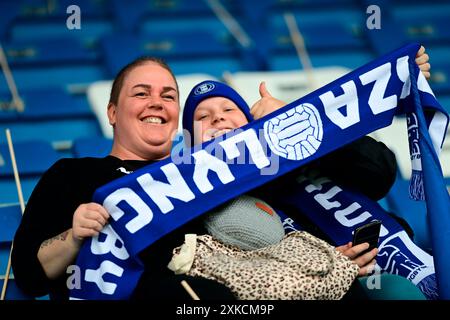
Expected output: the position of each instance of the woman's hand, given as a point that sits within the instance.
(366, 262)
(88, 220)
(57, 253)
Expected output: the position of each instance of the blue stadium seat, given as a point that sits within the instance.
(414, 212)
(423, 22)
(53, 130)
(7, 110)
(307, 4)
(47, 103)
(440, 79)
(51, 63)
(407, 22)
(8, 189)
(185, 25)
(405, 2)
(87, 36)
(47, 20)
(13, 292)
(92, 147)
(52, 51)
(38, 77)
(214, 66)
(9, 10)
(10, 216)
(332, 38)
(385, 39)
(186, 52)
(336, 29)
(43, 10)
(131, 15)
(440, 67)
(444, 100)
(351, 59)
(32, 157)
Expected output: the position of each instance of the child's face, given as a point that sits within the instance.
(216, 116)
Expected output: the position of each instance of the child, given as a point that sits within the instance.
(212, 109)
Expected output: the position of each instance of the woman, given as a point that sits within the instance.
(143, 111)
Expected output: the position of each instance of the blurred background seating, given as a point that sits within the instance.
(64, 75)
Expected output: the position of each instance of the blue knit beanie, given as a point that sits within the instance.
(208, 89)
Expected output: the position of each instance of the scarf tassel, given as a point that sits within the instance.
(416, 188)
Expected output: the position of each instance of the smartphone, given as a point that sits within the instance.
(367, 233)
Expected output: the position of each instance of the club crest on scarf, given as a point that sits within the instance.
(155, 200)
(295, 134)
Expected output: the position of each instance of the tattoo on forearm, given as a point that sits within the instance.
(61, 236)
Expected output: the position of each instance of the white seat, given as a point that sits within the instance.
(98, 96)
(395, 137)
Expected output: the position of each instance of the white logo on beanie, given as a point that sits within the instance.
(295, 134)
(204, 88)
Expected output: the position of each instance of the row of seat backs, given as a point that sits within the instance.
(10, 216)
(205, 38)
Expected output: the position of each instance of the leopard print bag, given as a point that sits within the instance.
(301, 266)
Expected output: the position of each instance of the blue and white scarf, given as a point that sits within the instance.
(157, 199)
(337, 211)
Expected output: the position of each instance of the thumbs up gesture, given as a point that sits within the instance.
(266, 104)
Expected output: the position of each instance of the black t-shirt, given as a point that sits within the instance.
(365, 165)
(49, 212)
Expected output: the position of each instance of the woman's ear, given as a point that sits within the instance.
(112, 113)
